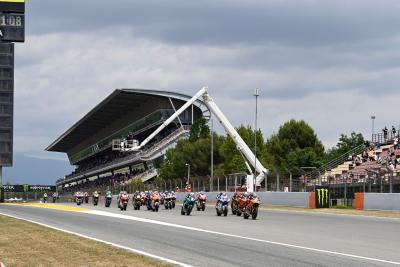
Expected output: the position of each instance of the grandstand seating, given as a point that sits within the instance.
(384, 155)
(150, 152)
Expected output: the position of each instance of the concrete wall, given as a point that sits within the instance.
(294, 199)
(381, 201)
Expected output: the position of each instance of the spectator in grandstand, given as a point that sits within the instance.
(391, 166)
(365, 155)
(396, 143)
(385, 133)
(358, 161)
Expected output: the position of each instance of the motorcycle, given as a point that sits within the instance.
(147, 201)
(79, 199)
(108, 200)
(251, 209)
(142, 198)
(173, 200)
(95, 198)
(137, 202)
(222, 206)
(123, 201)
(155, 201)
(235, 202)
(201, 201)
(86, 196)
(162, 198)
(242, 205)
(188, 204)
(168, 201)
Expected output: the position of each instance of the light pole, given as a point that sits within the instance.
(188, 165)
(256, 94)
(372, 130)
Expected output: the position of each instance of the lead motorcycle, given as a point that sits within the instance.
(201, 201)
(222, 205)
(188, 204)
(123, 201)
(251, 208)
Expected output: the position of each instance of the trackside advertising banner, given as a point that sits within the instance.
(28, 188)
(321, 197)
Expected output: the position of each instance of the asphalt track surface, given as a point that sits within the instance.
(276, 238)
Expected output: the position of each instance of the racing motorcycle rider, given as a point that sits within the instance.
(54, 195)
(86, 197)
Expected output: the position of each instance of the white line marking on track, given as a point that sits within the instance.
(103, 241)
(361, 216)
(127, 217)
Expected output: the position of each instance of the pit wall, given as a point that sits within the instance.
(377, 201)
(294, 199)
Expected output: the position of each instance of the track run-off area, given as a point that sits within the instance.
(276, 238)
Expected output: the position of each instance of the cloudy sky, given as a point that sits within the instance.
(331, 63)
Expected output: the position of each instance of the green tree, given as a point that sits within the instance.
(232, 160)
(294, 146)
(199, 130)
(197, 152)
(136, 184)
(345, 144)
(302, 158)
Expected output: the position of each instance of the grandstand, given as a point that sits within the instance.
(370, 167)
(126, 114)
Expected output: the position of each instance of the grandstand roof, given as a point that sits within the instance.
(120, 102)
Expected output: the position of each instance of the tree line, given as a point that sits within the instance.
(295, 145)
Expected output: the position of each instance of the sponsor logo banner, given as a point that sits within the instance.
(28, 188)
(321, 197)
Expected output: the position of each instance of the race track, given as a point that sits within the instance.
(277, 238)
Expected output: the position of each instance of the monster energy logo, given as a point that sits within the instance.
(322, 195)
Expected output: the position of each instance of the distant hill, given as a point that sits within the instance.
(35, 170)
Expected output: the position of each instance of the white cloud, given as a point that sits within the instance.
(334, 85)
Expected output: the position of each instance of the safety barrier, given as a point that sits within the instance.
(377, 201)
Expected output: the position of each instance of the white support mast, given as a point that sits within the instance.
(241, 145)
(245, 151)
(170, 119)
